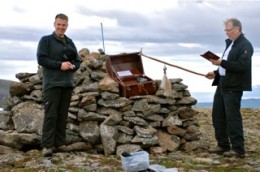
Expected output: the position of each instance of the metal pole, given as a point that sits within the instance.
(103, 37)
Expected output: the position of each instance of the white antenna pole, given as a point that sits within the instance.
(102, 37)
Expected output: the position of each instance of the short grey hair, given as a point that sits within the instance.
(235, 22)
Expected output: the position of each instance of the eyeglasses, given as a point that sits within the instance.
(228, 30)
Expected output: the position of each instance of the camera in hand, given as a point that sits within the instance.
(69, 53)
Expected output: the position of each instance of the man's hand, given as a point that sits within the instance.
(215, 62)
(67, 66)
(210, 75)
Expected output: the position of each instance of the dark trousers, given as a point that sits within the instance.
(227, 120)
(57, 101)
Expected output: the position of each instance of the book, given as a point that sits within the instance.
(209, 55)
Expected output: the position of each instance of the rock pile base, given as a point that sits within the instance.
(99, 118)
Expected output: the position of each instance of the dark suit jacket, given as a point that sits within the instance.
(50, 55)
(238, 66)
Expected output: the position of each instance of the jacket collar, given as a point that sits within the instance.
(229, 41)
(64, 40)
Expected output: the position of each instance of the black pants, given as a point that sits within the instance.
(57, 101)
(227, 120)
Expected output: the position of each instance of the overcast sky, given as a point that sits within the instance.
(170, 30)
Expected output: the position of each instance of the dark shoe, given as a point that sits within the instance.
(218, 150)
(64, 148)
(232, 153)
(47, 152)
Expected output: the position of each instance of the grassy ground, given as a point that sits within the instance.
(195, 161)
(201, 160)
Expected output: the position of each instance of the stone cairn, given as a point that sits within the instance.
(100, 120)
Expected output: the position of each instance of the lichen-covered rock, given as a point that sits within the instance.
(99, 116)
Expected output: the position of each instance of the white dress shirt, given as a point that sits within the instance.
(221, 70)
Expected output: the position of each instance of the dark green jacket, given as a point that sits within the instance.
(50, 55)
(238, 66)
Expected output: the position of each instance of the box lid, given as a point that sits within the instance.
(123, 65)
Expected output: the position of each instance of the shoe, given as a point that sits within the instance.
(218, 150)
(64, 148)
(232, 153)
(47, 152)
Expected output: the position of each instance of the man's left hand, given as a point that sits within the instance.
(216, 62)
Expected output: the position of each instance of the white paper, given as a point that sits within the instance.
(124, 73)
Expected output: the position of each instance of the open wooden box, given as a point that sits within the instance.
(127, 70)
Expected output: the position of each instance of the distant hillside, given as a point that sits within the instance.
(208, 96)
(4, 88)
(246, 103)
(254, 94)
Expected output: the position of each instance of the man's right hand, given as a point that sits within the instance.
(210, 75)
(66, 66)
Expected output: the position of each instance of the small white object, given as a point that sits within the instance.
(161, 168)
(138, 161)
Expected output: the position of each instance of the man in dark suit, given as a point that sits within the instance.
(232, 77)
(58, 56)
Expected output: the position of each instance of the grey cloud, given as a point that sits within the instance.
(10, 68)
(189, 23)
(16, 51)
(198, 22)
(18, 9)
(124, 18)
(21, 33)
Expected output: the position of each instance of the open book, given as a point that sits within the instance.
(209, 55)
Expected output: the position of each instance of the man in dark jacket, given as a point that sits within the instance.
(232, 77)
(59, 59)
